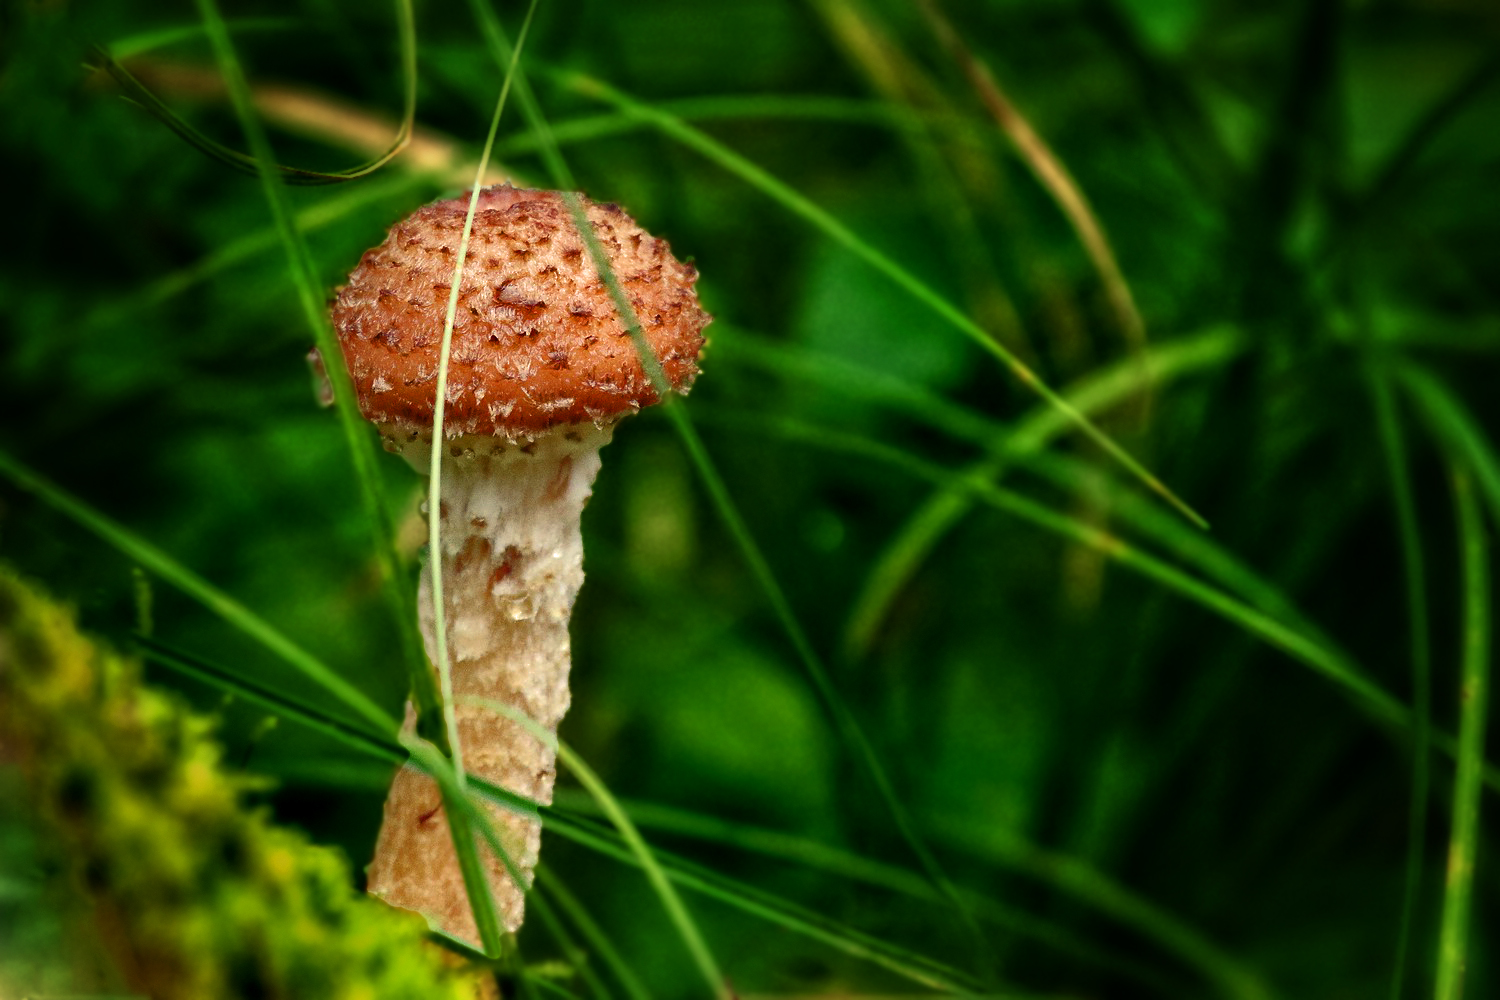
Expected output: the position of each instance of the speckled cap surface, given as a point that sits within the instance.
(536, 340)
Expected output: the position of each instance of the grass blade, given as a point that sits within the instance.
(1380, 704)
(1453, 425)
(814, 214)
(686, 928)
(1398, 469)
(549, 884)
(463, 818)
(912, 544)
(439, 407)
(234, 613)
(1175, 936)
(847, 726)
(772, 909)
(281, 705)
(357, 435)
(1453, 938)
(140, 95)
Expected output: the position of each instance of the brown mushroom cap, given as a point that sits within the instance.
(536, 339)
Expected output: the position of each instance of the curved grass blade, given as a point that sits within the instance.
(463, 818)
(901, 558)
(439, 407)
(845, 722)
(1453, 937)
(1310, 650)
(820, 219)
(147, 41)
(686, 928)
(252, 244)
(1456, 428)
(1398, 470)
(1051, 173)
(854, 380)
(137, 93)
(771, 908)
(549, 884)
(809, 107)
(155, 561)
(396, 585)
(848, 726)
(1173, 935)
(1380, 704)
(281, 705)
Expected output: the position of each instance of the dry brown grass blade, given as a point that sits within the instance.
(1050, 172)
(954, 175)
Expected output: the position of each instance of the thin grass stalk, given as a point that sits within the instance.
(1463, 847)
(918, 537)
(376, 720)
(1071, 876)
(774, 910)
(435, 474)
(1413, 562)
(820, 219)
(593, 935)
(686, 928)
(463, 821)
(848, 727)
(304, 277)
(1053, 175)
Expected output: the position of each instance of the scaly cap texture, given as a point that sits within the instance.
(536, 339)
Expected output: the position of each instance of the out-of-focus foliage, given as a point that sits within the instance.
(1143, 784)
(184, 891)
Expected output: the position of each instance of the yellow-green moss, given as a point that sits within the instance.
(193, 894)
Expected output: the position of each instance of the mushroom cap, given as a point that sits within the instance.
(537, 342)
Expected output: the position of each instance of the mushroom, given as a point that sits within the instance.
(541, 368)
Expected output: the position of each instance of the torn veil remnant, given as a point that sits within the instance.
(541, 368)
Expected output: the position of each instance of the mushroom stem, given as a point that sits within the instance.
(512, 564)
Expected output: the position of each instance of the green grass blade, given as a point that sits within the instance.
(140, 95)
(439, 408)
(357, 434)
(1456, 428)
(501, 51)
(1310, 650)
(157, 562)
(815, 215)
(848, 728)
(463, 818)
(1174, 935)
(772, 909)
(855, 381)
(547, 882)
(160, 38)
(846, 724)
(573, 953)
(1086, 883)
(254, 243)
(733, 107)
(1398, 469)
(686, 928)
(282, 705)
(1380, 704)
(1453, 937)
(911, 545)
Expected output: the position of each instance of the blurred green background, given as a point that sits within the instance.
(1278, 290)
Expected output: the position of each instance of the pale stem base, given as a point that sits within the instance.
(512, 561)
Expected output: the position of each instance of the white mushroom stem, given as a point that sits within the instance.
(512, 562)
